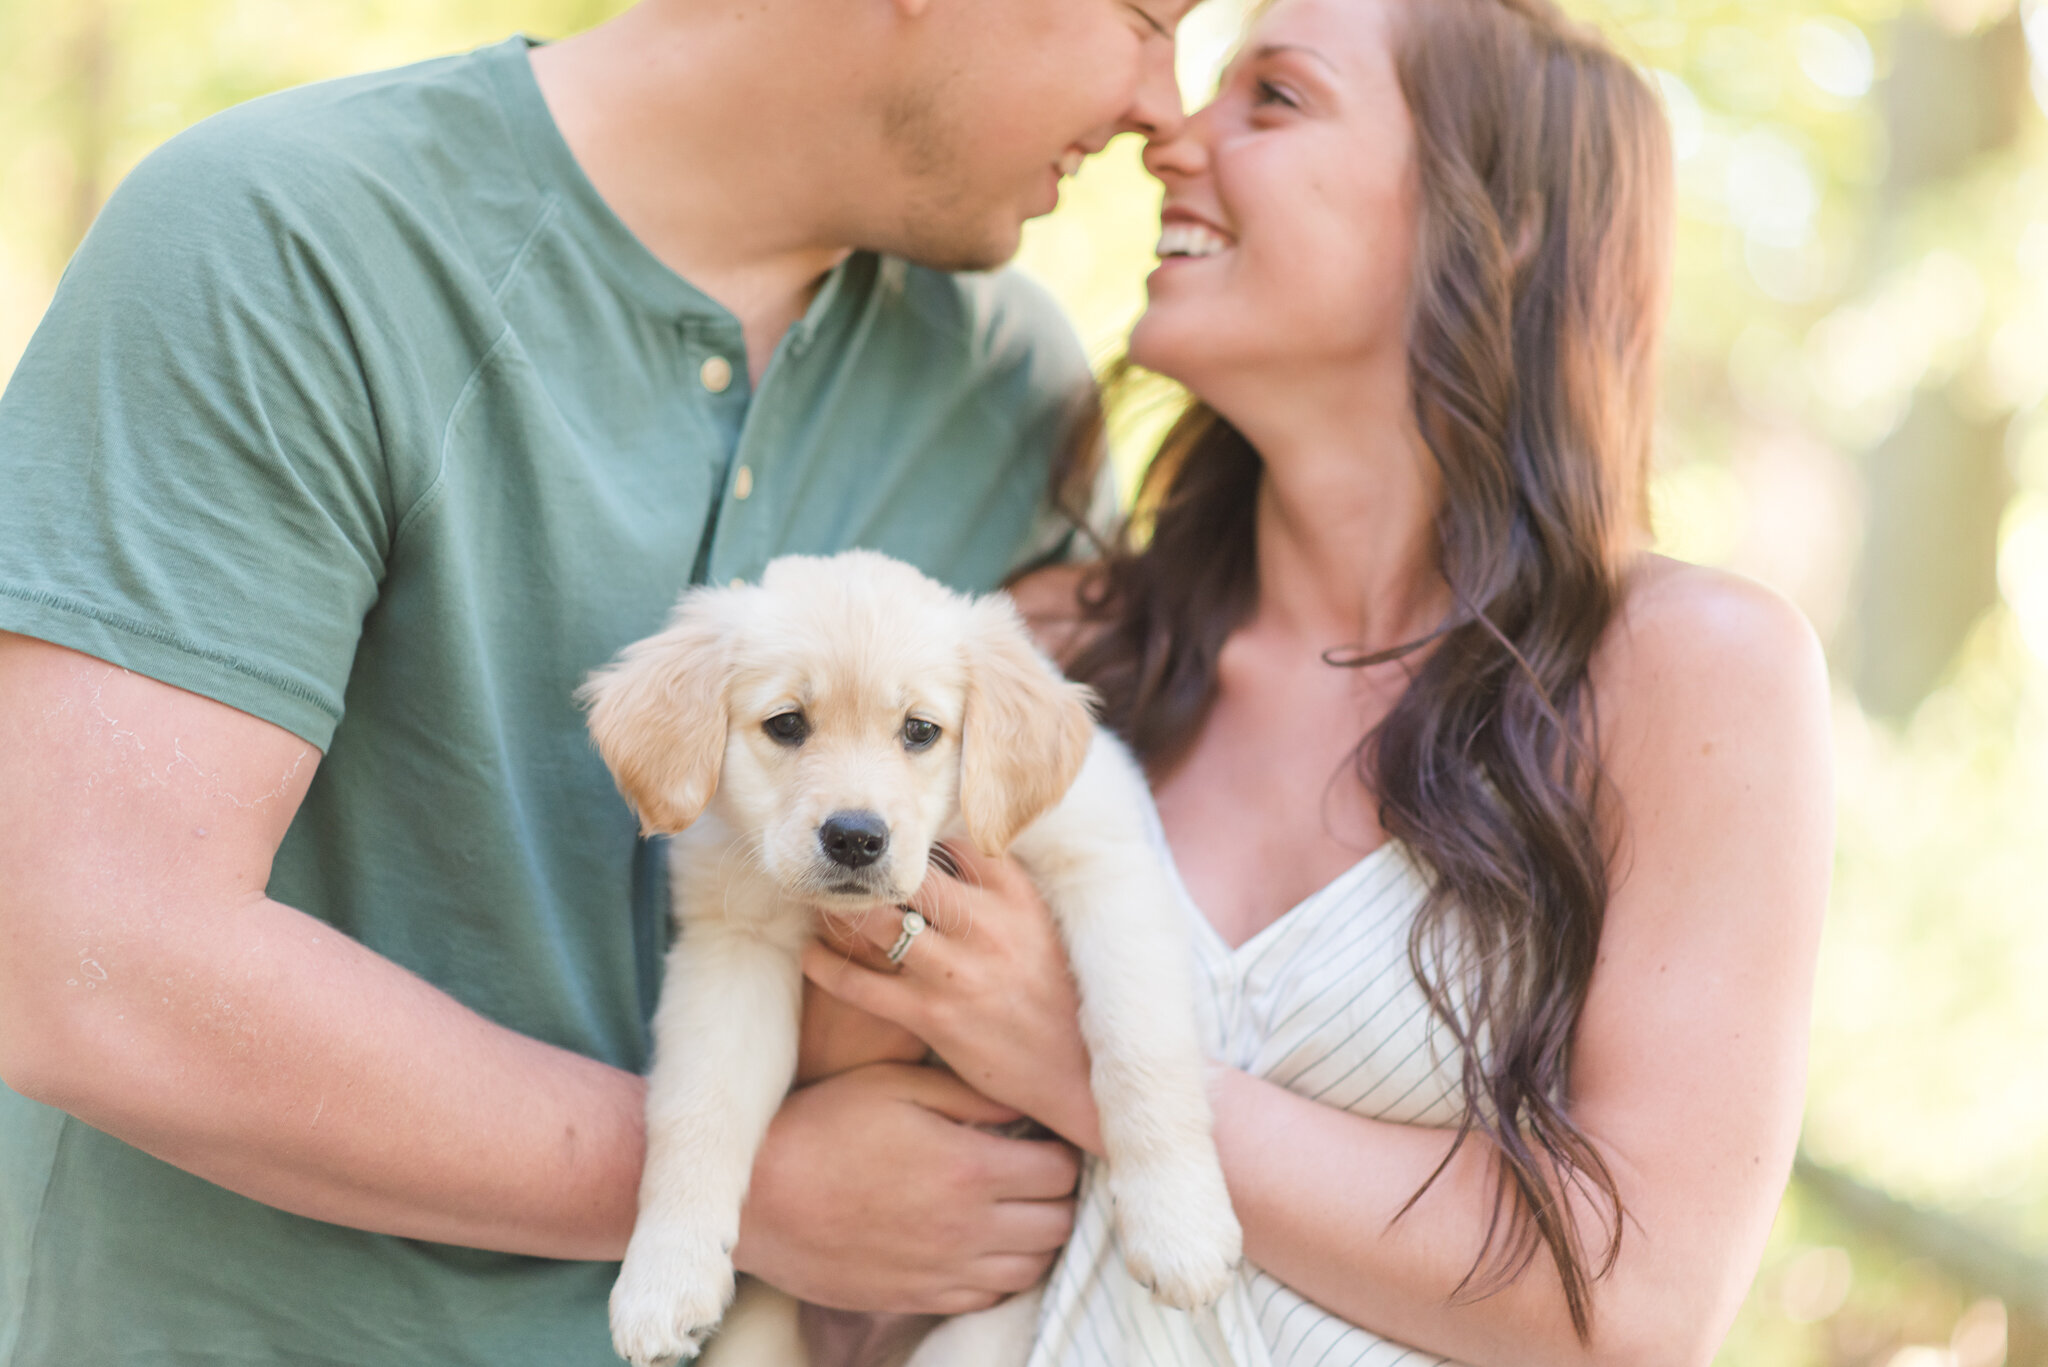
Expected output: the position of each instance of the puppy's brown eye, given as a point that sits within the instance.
(787, 728)
(918, 734)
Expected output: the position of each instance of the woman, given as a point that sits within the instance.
(1511, 840)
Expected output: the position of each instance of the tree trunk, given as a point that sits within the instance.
(1938, 485)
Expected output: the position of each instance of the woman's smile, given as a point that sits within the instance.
(1300, 171)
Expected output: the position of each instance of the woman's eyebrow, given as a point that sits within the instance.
(1278, 49)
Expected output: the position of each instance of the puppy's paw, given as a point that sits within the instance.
(671, 1291)
(1180, 1237)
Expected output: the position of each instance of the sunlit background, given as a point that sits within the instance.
(1857, 363)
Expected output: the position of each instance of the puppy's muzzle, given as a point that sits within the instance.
(853, 840)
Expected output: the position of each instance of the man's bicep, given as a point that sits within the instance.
(124, 803)
(88, 743)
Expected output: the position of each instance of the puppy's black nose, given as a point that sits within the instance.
(855, 839)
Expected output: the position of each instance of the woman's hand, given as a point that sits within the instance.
(986, 986)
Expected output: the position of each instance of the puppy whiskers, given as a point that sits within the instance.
(750, 849)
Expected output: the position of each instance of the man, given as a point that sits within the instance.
(369, 418)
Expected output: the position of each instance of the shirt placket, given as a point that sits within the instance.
(713, 367)
(741, 543)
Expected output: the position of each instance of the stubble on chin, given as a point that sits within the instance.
(945, 229)
(928, 243)
(941, 222)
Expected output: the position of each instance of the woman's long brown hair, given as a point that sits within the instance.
(1539, 286)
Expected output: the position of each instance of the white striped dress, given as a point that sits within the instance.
(1322, 1002)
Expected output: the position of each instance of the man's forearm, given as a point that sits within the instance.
(263, 1050)
(149, 987)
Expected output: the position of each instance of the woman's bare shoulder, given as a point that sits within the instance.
(1689, 633)
(1050, 600)
(1715, 721)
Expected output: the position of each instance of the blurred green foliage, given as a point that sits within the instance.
(1856, 362)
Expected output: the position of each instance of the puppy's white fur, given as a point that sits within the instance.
(859, 645)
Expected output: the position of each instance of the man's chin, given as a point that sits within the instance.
(966, 249)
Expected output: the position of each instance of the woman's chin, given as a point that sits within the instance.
(1182, 354)
(1157, 344)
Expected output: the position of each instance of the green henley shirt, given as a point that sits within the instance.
(359, 411)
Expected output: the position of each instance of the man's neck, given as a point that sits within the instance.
(708, 153)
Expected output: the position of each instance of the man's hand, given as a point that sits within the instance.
(875, 1190)
(836, 1037)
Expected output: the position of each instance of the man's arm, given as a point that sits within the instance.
(149, 987)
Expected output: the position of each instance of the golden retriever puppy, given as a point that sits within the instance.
(808, 740)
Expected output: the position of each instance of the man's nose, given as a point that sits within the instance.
(854, 839)
(1156, 111)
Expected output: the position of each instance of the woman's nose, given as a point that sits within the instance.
(1182, 153)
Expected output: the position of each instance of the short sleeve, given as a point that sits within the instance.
(191, 479)
(1061, 413)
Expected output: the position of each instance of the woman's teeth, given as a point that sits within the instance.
(1071, 162)
(1190, 239)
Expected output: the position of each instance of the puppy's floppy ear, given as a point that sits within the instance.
(658, 713)
(1025, 733)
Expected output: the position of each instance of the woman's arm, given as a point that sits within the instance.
(1688, 1067)
(1689, 1062)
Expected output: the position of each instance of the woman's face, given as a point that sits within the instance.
(1289, 220)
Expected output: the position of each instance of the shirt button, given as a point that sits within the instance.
(742, 483)
(738, 584)
(716, 373)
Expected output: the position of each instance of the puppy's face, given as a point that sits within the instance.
(838, 715)
(842, 758)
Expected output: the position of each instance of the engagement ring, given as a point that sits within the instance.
(913, 926)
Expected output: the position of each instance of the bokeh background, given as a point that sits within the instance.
(1857, 363)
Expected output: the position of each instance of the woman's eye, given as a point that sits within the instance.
(1266, 93)
(918, 734)
(787, 728)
